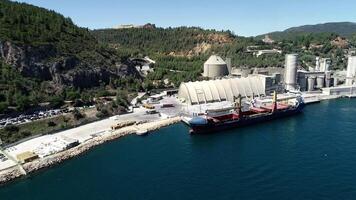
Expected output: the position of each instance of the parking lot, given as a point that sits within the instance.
(21, 119)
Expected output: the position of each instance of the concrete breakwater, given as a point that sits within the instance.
(49, 161)
(10, 174)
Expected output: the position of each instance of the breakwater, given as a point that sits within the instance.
(57, 158)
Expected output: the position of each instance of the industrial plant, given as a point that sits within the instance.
(225, 84)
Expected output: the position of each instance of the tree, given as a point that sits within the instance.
(77, 114)
(56, 102)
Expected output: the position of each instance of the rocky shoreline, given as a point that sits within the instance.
(52, 160)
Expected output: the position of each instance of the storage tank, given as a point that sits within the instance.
(320, 82)
(302, 81)
(215, 66)
(311, 83)
(351, 70)
(290, 74)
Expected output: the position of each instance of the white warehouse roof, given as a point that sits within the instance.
(201, 92)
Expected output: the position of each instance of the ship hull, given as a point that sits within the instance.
(245, 121)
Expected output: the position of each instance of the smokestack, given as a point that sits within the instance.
(228, 63)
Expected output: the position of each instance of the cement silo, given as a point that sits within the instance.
(317, 64)
(336, 82)
(320, 82)
(302, 80)
(290, 71)
(311, 83)
(328, 79)
(325, 64)
(214, 67)
(351, 70)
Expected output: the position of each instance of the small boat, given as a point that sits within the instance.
(222, 119)
(141, 132)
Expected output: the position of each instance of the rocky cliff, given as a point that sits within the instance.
(43, 63)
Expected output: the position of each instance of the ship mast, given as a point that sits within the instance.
(274, 100)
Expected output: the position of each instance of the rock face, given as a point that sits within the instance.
(43, 63)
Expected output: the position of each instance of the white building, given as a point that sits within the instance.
(202, 92)
(340, 90)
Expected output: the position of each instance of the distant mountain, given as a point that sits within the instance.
(344, 29)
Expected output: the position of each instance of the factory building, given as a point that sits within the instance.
(322, 64)
(215, 67)
(314, 79)
(340, 90)
(201, 92)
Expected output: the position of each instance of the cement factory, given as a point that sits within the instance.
(226, 83)
(227, 98)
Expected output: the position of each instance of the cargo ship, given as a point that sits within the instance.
(221, 119)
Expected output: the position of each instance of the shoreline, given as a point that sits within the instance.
(14, 173)
(17, 171)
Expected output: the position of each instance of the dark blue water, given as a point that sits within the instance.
(309, 156)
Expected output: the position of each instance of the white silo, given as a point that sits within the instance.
(317, 64)
(328, 78)
(215, 66)
(311, 83)
(351, 70)
(325, 64)
(290, 71)
(320, 82)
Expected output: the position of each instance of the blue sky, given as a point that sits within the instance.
(244, 17)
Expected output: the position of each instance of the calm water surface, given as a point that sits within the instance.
(309, 156)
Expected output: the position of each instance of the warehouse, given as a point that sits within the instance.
(201, 92)
(27, 156)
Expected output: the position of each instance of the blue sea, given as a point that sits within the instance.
(308, 156)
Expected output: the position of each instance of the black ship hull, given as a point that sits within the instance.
(212, 127)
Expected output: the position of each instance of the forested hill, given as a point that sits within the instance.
(44, 55)
(180, 40)
(184, 49)
(344, 29)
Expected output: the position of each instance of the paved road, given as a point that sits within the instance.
(14, 160)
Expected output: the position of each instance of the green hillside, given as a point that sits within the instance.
(45, 56)
(344, 29)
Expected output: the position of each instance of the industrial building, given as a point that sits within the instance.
(349, 89)
(320, 78)
(228, 89)
(344, 90)
(27, 156)
(215, 67)
(302, 80)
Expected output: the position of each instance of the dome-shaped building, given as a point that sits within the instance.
(214, 67)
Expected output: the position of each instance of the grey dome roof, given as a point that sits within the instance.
(215, 60)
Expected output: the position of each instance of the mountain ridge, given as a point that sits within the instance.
(343, 29)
